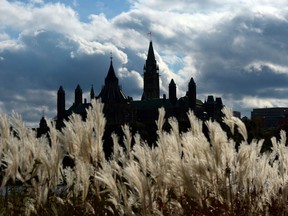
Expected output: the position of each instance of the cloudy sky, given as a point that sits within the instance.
(233, 49)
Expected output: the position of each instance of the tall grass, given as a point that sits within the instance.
(186, 173)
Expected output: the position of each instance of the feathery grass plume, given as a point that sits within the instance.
(161, 119)
(161, 162)
(10, 161)
(116, 146)
(18, 125)
(218, 141)
(82, 179)
(231, 121)
(54, 155)
(161, 149)
(109, 178)
(175, 133)
(142, 186)
(280, 179)
(71, 135)
(127, 140)
(196, 165)
(139, 153)
(195, 124)
(4, 127)
(281, 150)
(184, 173)
(24, 159)
(21, 152)
(211, 164)
(96, 123)
(4, 140)
(160, 141)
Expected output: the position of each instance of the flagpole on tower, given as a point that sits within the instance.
(149, 34)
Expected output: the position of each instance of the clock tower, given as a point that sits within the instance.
(151, 76)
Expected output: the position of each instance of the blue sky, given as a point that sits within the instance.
(236, 50)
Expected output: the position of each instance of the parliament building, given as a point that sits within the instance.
(120, 109)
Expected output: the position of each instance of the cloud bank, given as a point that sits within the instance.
(236, 50)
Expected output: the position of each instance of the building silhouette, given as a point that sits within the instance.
(151, 76)
(120, 109)
(271, 117)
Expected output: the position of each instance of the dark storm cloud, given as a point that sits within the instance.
(235, 55)
(228, 54)
(234, 50)
(46, 62)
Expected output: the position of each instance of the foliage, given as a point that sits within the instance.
(186, 173)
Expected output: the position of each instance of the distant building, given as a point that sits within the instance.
(270, 117)
(237, 114)
(120, 109)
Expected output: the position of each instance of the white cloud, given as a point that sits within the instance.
(4, 36)
(257, 102)
(11, 45)
(259, 66)
(214, 41)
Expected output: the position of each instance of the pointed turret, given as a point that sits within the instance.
(172, 92)
(92, 94)
(210, 107)
(192, 94)
(43, 128)
(151, 57)
(78, 95)
(60, 103)
(151, 76)
(111, 91)
(111, 76)
(218, 108)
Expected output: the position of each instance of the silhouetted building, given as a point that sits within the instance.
(270, 117)
(172, 92)
(192, 94)
(120, 109)
(151, 76)
(43, 128)
(78, 96)
(237, 114)
(60, 103)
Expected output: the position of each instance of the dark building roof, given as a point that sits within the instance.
(111, 91)
(192, 82)
(172, 83)
(119, 109)
(151, 57)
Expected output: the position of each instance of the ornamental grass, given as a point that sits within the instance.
(182, 173)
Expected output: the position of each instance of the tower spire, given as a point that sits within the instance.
(172, 92)
(151, 76)
(151, 56)
(192, 94)
(111, 76)
(60, 103)
(78, 95)
(111, 91)
(92, 94)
